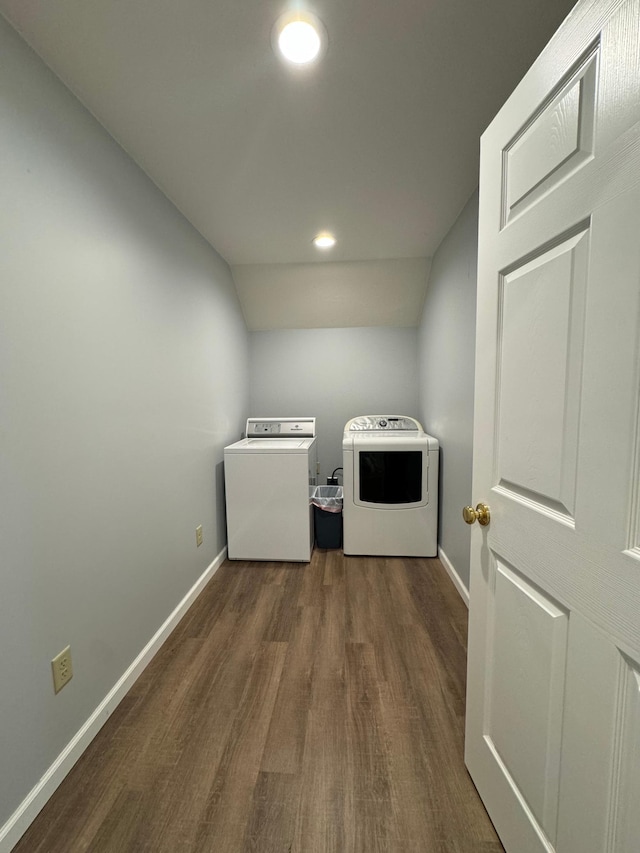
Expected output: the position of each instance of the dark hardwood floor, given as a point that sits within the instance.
(295, 709)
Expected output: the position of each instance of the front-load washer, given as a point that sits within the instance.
(390, 487)
(267, 479)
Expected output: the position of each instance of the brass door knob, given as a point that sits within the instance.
(481, 513)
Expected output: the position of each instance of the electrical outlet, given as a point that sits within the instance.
(199, 535)
(62, 669)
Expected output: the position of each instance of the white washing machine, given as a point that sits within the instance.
(390, 487)
(267, 479)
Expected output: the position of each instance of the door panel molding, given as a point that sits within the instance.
(539, 377)
(528, 634)
(555, 142)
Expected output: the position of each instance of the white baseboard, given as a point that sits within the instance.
(35, 801)
(455, 577)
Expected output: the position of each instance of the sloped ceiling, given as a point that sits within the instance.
(378, 143)
(317, 295)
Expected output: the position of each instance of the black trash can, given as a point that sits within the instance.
(327, 516)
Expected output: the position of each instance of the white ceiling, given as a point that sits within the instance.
(378, 143)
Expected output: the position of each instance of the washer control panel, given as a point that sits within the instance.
(268, 427)
(283, 427)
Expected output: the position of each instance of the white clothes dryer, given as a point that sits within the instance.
(267, 476)
(390, 487)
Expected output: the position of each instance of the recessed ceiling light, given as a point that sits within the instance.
(324, 240)
(299, 37)
(299, 42)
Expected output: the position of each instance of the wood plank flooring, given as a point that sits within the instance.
(295, 709)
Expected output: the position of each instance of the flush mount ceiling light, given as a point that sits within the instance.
(324, 240)
(299, 37)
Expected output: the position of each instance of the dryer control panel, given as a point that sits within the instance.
(383, 423)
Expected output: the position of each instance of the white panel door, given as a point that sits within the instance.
(553, 698)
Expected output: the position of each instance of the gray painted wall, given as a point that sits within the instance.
(334, 374)
(123, 371)
(447, 358)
